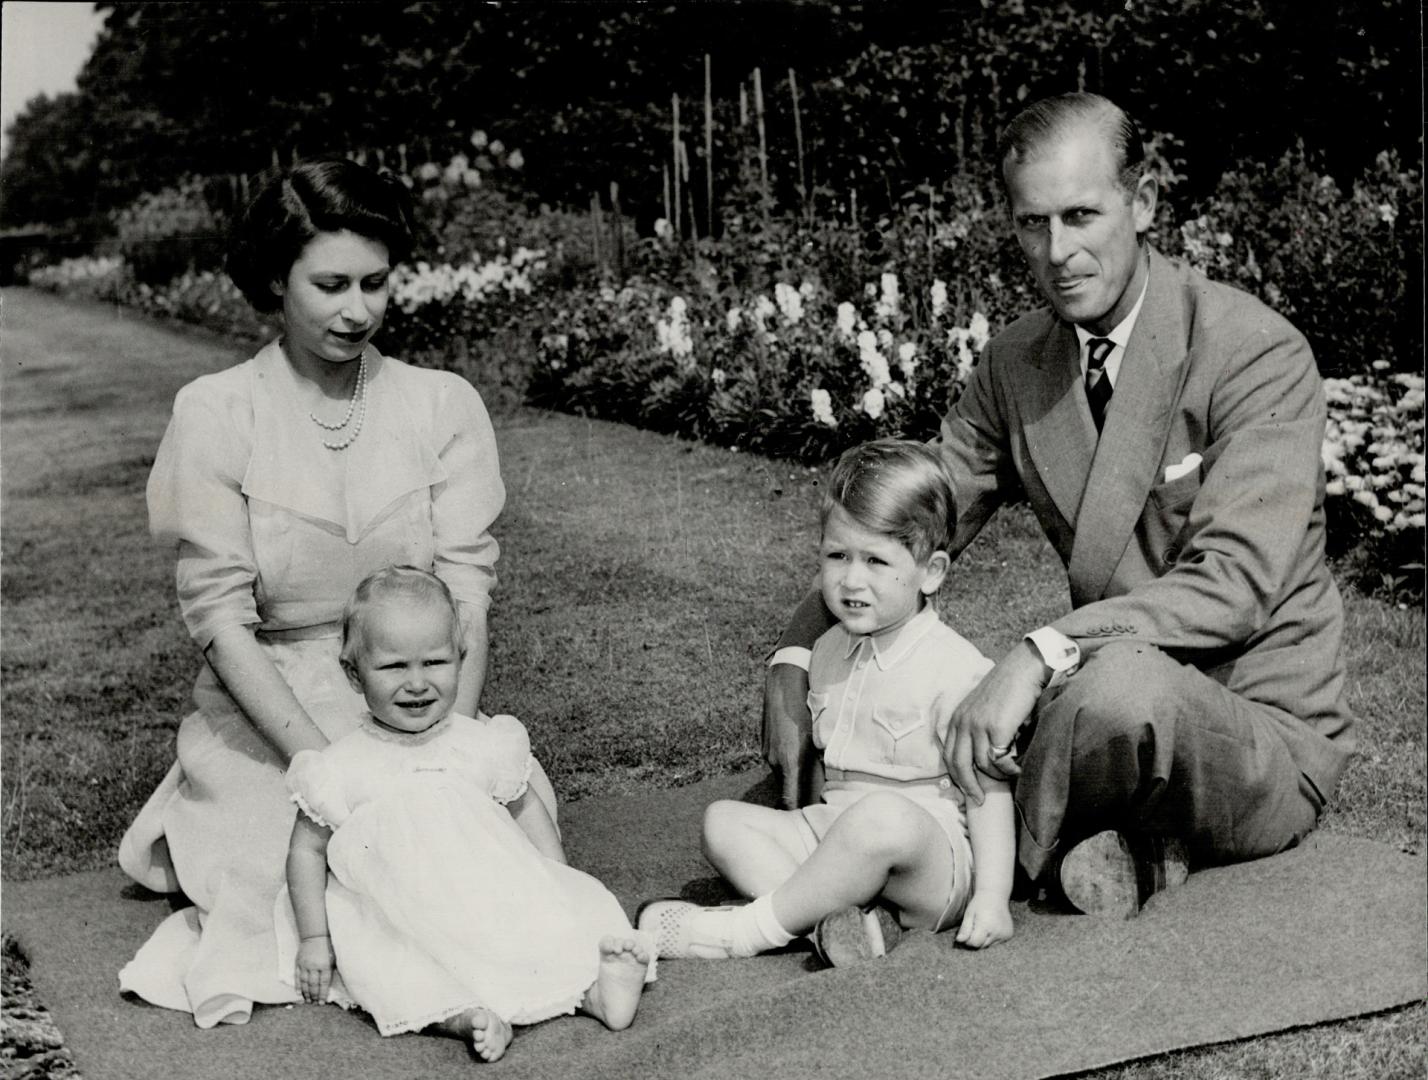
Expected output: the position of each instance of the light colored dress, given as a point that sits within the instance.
(437, 901)
(273, 532)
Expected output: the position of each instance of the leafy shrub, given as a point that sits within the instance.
(167, 232)
(1345, 267)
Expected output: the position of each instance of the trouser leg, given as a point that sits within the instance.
(1138, 742)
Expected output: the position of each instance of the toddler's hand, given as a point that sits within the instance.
(315, 963)
(984, 923)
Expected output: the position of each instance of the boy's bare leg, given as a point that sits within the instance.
(615, 995)
(884, 846)
(755, 848)
(487, 1033)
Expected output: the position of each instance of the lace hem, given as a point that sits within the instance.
(404, 738)
(313, 815)
(522, 786)
(563, 1007)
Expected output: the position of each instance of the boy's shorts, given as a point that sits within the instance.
(938, 796)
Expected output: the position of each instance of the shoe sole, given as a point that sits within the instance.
(854, 936)
(1110, 876)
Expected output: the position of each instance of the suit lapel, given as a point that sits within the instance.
(1060, 437)
(1132, 444)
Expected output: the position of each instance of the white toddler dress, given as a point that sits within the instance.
(436, 900)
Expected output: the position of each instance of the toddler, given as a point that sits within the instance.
(891, 844)
(427, 882)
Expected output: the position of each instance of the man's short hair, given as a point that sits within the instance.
(1043, 122)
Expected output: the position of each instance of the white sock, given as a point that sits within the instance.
(767, 924)
(746, 930)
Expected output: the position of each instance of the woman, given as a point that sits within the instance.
(284, 481)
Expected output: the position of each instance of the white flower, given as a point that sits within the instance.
(1334, 487)
(427, 170)
(663, 229)
(790, 302)
(516, 160)
(731, 319)
(907, 359)
(806, 290)
(847, 320)
(888, 302)
(822, 403)
(1387, 212)
(763, 307)
(874, 403)
(1382, 514)
(673, 333)
(874, 363)
(980, 331)
(497, 148)
(478, 139)
(717, 376)
(939, 298)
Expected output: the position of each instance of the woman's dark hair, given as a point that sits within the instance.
(294, 205)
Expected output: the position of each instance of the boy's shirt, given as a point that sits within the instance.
(883, 704)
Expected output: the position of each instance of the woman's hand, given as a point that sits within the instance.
(315, 964)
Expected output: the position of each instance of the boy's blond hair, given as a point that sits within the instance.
(897, 487)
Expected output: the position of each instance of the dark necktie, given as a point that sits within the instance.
(1098, 381)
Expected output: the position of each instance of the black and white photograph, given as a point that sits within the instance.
(713, 539)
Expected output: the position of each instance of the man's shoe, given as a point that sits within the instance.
(1114, 873)
(853, 935)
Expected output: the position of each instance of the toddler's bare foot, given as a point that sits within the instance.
(616, 993)
(487, 1033)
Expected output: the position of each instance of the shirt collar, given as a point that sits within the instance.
(1120, 335)
(891, 649)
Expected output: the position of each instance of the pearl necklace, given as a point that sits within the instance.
(357, 404)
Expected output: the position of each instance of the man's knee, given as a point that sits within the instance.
(1115, 696)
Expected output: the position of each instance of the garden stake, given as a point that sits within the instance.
(595, 232)
(797, 136)
(665, 170)
(763, 146)
(674, 153)
(618, 240)
(708, 148)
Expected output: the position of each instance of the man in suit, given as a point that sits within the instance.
(1166, 432)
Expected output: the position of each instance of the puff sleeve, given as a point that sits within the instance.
(468, 501)
(317, 789)
(195, 500)
(510, 757)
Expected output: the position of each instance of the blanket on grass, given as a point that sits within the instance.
(1333, 929)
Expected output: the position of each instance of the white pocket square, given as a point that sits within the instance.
(1189, 465)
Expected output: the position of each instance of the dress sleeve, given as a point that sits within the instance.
(511, 758)
(469, 500)
(195, 500)
(315, 786)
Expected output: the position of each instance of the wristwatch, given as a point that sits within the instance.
(1058, 652)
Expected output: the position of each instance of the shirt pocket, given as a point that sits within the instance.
(818, 709)
(901, 734)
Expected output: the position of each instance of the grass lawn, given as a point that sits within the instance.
(642, 579)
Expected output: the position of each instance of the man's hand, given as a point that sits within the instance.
(315, 964)
(788, 737)
(985, 724)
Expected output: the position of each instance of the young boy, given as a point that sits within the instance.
(891, 844)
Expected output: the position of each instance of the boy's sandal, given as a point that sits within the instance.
(670, 922)
(852, 936)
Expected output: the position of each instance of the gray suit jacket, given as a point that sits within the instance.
(1222, 568)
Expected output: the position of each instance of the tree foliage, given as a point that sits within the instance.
(894, 93)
